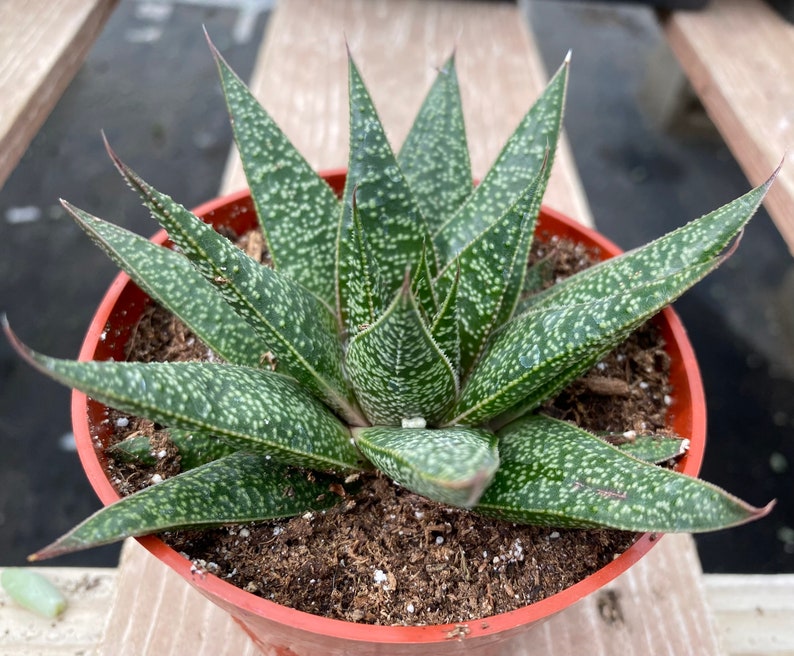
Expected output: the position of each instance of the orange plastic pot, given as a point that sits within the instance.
(284, 631)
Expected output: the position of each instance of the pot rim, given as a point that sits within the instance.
(685, 368)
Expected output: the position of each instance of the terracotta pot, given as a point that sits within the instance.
(285, 631)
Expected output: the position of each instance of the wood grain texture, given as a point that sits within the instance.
(753, 613)
(301, 77)
(157, 612)
(42, 44)
(739, 57)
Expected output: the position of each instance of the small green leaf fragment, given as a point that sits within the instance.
(133, 449)
(452, 465)
(33, 591)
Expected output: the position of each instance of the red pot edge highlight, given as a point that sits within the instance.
(688, 418)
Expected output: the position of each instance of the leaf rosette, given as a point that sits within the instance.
(398, 336)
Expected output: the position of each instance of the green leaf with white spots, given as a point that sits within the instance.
(445, 328)
(171, 280)
(654, 449)
(238, 488)
(194, 448)
(535, 356)
(555, 474)
(423, 289)
(519, 163)
(391, 219)
(491, 271)
(452, 465)
(297, 210)
(697, 242)
(397, 370)
(364, 289)
(297, 328)
(435, 155)
(252, 409)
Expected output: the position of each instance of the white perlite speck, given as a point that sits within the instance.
(380, 576)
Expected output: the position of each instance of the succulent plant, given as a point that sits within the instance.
(392, 331)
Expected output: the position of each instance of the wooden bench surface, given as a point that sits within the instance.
(42, 44)
(739, 57)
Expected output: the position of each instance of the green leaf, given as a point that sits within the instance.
(252, 409)
(297, 328)
(536, 355)
(364, 289)
(33, 591)
(422, 288)
(390, 217)
(519, 163)
(171, 280)
(452, 465)
(194, 448)
(236, 489)
(654, 449)
(297, 210)
(445, 328)
(397, 370)
(699, 241)
(554, 474)
(435, 155)
(491, 269)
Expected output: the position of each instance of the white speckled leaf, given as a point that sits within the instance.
(445, 328)
(297, 328)
(516, 167)
(435, 155)
(252, 409)
(555, 474)
(451, 465)
(170, 279)
(238, 488)
(696, 242)
(391, 219)
(491, 271)
(297, 210)
(397, 370)
(538, 354)
(654, 449)
(364, 290)
(423, 288)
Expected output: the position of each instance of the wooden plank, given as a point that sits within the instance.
(42, 44)
(753, 613)
(301, 77)
(157, 612)
(739, 56)
(89, 593)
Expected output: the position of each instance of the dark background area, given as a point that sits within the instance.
(150, 83)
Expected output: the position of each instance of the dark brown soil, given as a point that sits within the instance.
(388, 556)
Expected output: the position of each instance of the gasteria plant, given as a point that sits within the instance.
(392, 331)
